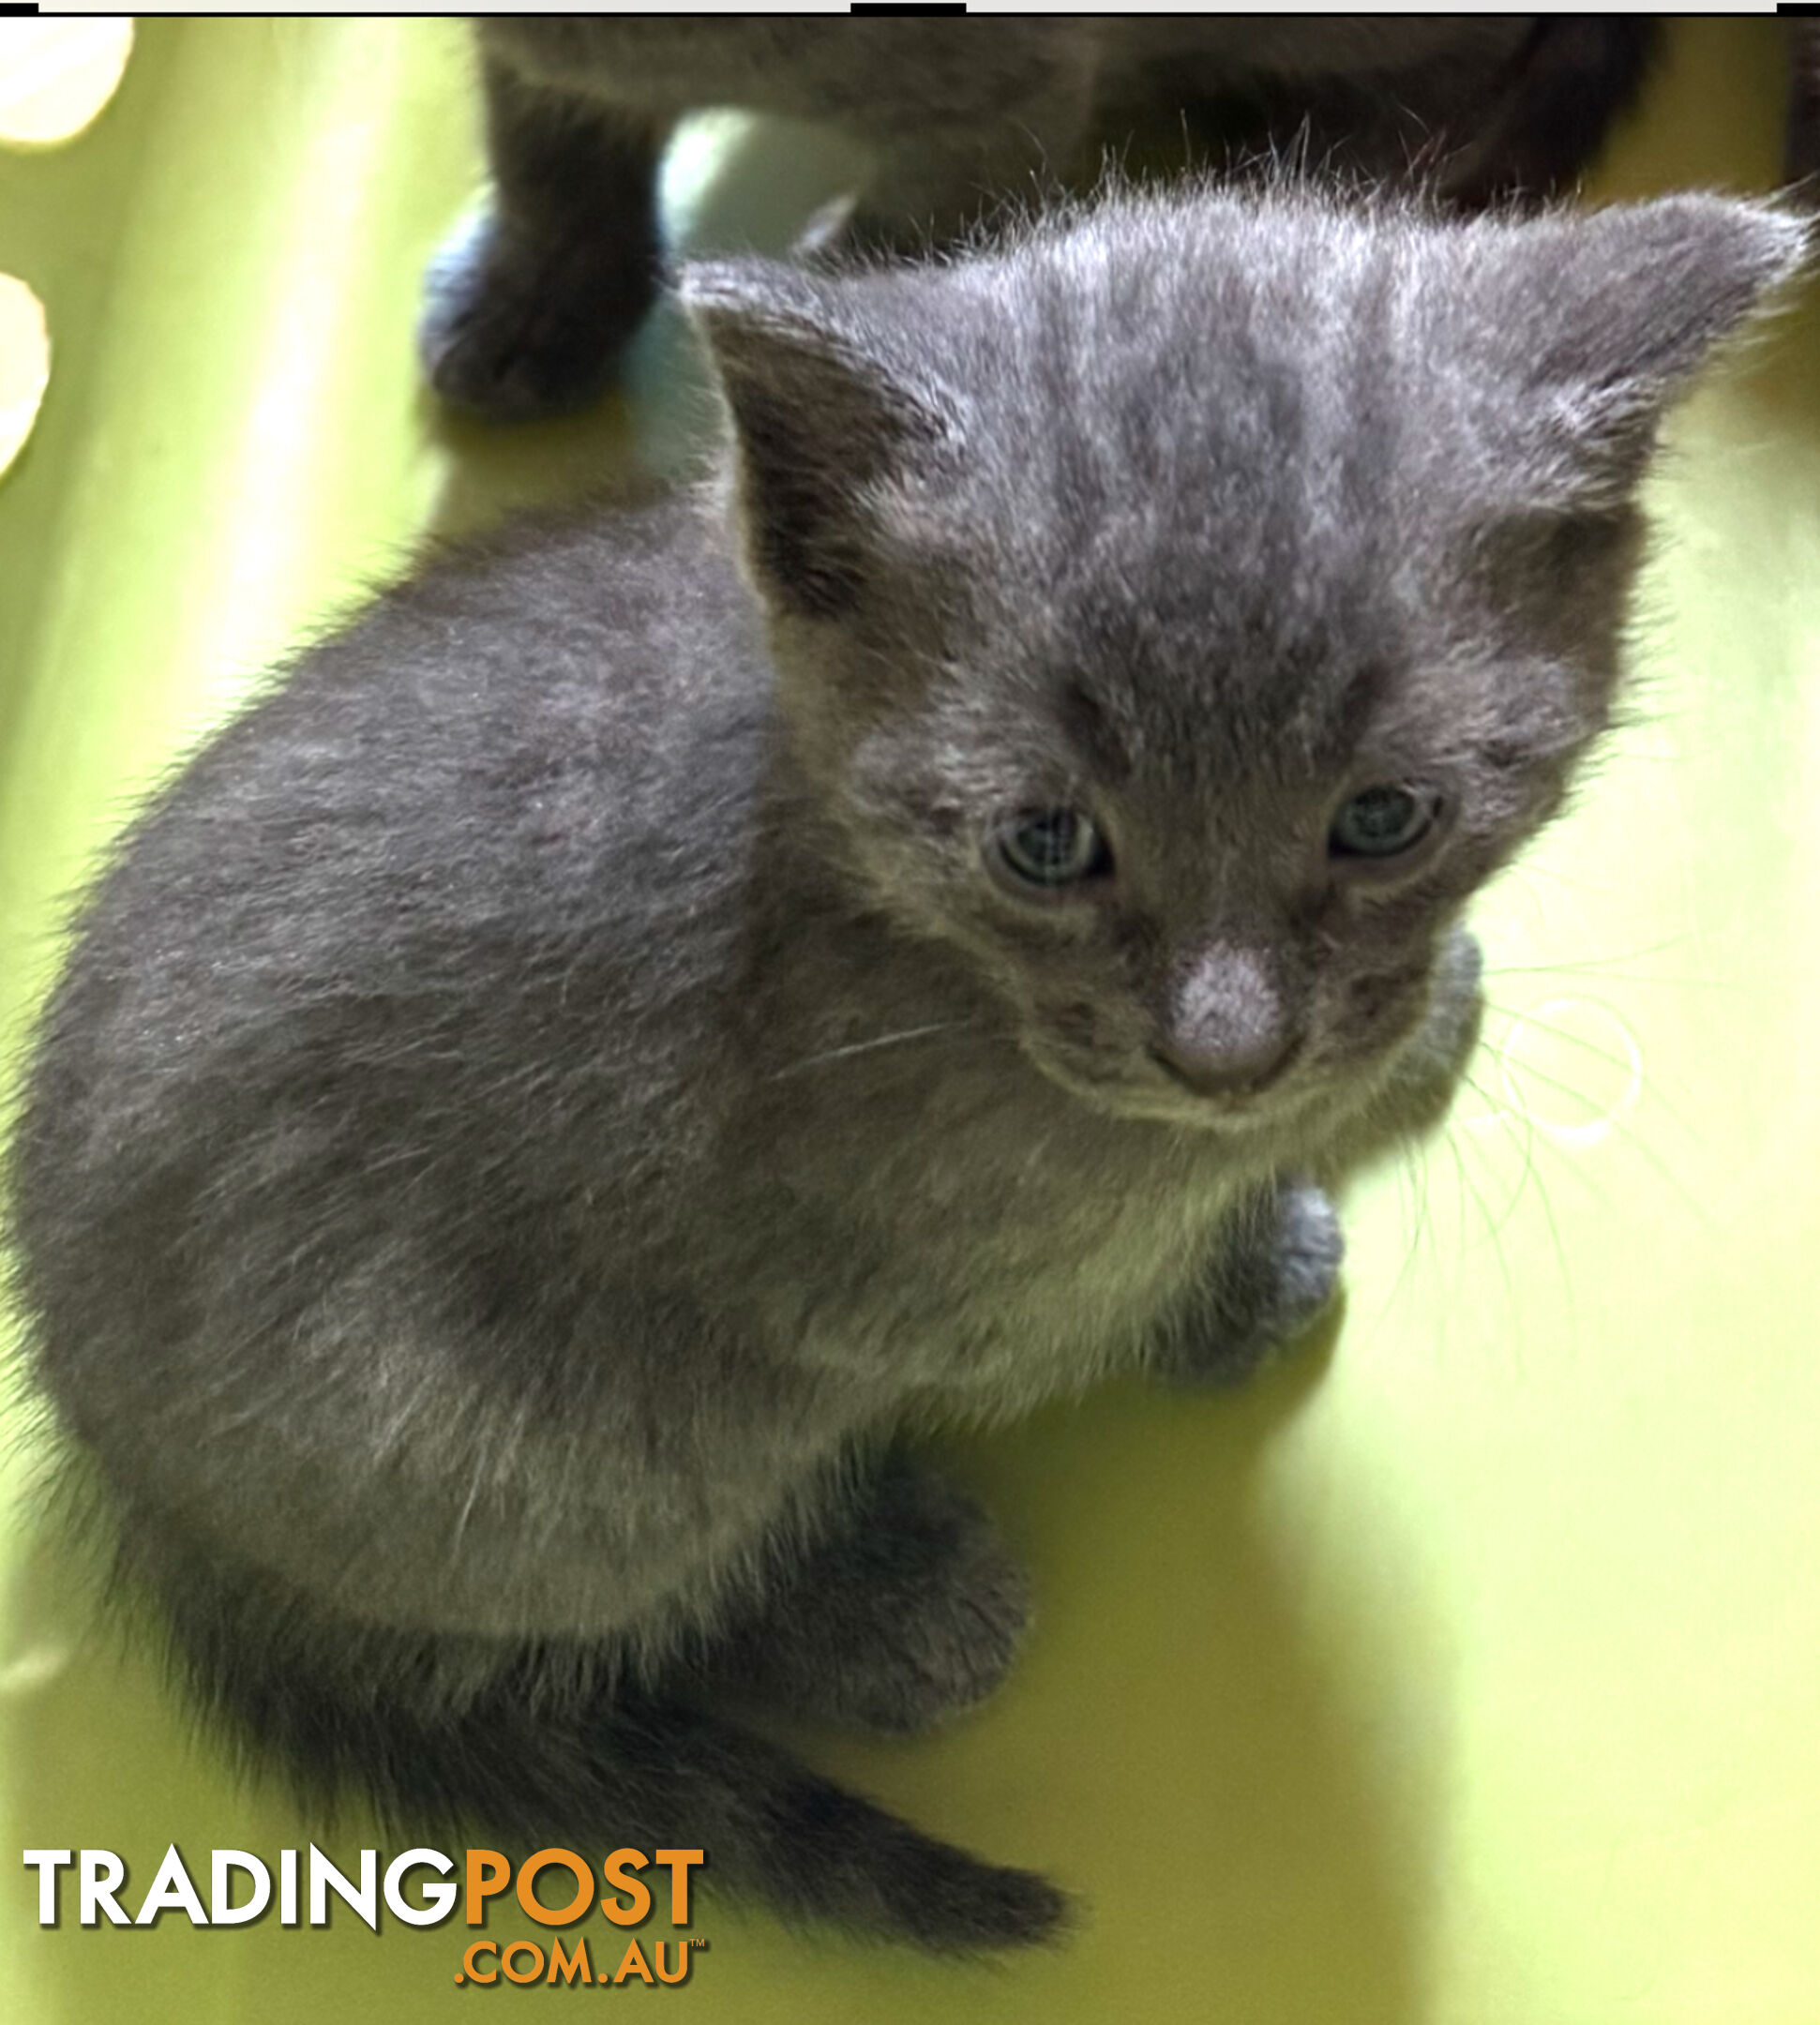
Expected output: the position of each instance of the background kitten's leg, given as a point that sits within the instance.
(1275, 1270)
(528, 307)
(1804, 103)
(911, 1610)
(930, 187)
(1577, 76)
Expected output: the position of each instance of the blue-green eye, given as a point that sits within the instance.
(1383, 822)
(1052, 847)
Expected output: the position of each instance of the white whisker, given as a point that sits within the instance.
(865, 1048)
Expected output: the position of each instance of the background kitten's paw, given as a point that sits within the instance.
(512, 332)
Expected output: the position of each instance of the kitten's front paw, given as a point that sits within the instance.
(512, 332)
(1277, 1274)
(1310, 1250)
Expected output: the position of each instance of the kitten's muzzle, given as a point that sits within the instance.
(1226, 1073)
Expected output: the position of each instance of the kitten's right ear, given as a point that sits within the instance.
(820, 414)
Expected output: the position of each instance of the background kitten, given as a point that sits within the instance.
(1804, 103)
(547, 1094)
(529, 307)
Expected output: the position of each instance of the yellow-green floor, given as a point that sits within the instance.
(1467, 1672)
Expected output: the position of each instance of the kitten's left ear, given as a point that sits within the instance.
(821, 413)
(1610, 313)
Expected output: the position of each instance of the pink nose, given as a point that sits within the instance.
(1227, 1028)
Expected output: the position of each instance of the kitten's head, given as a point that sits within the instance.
(1185, 607)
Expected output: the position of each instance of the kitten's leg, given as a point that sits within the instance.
(1276, 1268)
(909, 1611)
(542, 1742)
(527, 310)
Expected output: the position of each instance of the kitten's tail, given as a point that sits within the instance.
(663, 1776)
(537, 1754)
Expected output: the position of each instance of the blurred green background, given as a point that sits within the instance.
(1463, 1673)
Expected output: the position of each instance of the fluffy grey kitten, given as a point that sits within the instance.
(528, 310)
(667, 1003)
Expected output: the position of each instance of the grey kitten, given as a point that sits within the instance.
(666, 1003)
(529, 308)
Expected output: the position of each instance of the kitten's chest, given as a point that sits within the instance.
(981, 1237)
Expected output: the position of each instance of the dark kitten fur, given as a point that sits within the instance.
(541, 1102)
(1802, 161)
(528, 311)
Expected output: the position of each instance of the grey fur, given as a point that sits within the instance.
(545, 1100)
(529, 306)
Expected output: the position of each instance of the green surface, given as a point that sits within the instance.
(1464, 1673)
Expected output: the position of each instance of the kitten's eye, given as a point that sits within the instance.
(1383, 822)
(1051, 846)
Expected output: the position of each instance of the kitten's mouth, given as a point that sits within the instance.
(1237, 1095)
(1165, 1096)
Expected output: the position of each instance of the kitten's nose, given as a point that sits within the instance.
(1227, 1030)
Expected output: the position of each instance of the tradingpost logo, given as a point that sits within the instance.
(419, 1888)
